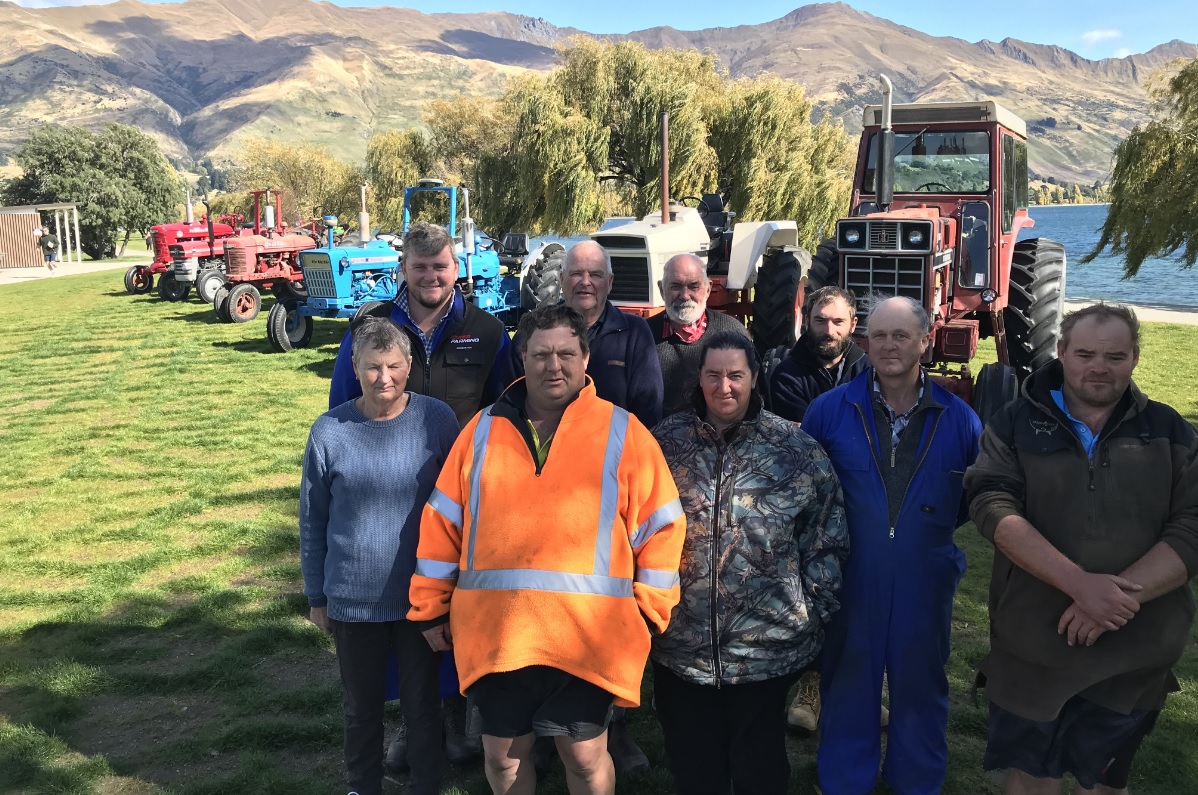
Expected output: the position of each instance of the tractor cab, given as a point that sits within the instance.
(939, 198)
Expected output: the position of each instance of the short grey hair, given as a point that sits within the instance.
(1102, 312)
(571, 256)
(875, 300)
(380, 334)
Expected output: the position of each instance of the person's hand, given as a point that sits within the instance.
(320, 617)
(1077, 627)
(1106, 598)
(439, 637)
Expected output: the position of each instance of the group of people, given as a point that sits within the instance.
(530, 522)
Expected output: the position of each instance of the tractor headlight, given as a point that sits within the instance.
(915, 237)
(851, 235)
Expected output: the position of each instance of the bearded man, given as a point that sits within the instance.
(679, 330)
(824, 357)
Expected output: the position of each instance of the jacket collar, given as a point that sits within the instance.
(736, 430)
(1038, 391)
(511, 403)
(612, 320)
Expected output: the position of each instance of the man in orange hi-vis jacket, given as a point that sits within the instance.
(549, 552)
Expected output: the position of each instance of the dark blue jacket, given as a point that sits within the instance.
(899, 582)
(800, 378)
(469, 368)
(624, 365)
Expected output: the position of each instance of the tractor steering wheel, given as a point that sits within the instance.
(700, 205)
(930, 185)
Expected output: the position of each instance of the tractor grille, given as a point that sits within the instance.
(240, 260)
(319, 282)
(884, 236)
(886, 276)
(632, 281)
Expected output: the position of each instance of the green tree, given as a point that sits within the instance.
(561, 152)
(312, 181)
(395, 160)
(117, 177)
(1154, 205)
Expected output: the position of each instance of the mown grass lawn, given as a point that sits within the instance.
(152, 631)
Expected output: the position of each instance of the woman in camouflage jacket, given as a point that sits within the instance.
(766, 535)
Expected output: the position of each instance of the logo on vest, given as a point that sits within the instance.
(1044, 426)
(464, 340)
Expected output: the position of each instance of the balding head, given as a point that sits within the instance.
(587, 280)
(685, 288)
(588, 252)
(898, 334)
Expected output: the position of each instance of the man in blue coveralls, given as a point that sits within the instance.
(459, 356)
(900, 445)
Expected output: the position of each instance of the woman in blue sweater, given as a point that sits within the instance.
(369, 468)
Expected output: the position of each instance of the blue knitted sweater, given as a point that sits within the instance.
(364, 486)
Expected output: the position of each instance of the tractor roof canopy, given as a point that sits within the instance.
(948, 113)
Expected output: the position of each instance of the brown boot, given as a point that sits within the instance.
(803, 715)
(459, 745)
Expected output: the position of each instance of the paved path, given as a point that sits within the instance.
(1152, 313)
(22, 275)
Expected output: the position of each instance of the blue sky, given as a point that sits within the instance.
(1094, 29)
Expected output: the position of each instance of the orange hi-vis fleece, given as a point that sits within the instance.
(565, 566)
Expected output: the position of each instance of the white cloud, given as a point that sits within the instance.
(59, 3)
(1122, 52)
(1102, 34)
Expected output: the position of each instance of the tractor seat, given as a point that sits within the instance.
(711, 206)
(512, 249)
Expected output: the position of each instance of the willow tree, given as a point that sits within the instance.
(1154, 204)
(395, 160)
(565, 150)
(313, 182)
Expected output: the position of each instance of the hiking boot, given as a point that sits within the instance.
(459, 745)
(803, 715)
(626, 755)
(395, 761)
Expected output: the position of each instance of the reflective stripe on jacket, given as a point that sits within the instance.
(566, 565)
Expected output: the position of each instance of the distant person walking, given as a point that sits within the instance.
(49, 245)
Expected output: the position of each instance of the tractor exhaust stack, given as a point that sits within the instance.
(364, 219)
(189, 216)
(884, 168)
(665, 166)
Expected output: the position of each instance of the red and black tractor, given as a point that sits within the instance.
(939, 198)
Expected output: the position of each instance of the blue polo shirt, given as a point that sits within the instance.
(1088, 437)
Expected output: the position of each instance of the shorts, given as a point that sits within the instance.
(540, 700)
(1093, 744)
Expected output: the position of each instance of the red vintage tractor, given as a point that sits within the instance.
(266, 260)
(939, 198)
(139, 279)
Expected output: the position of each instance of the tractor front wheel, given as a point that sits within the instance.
(777, 302)
(207, 283)
(366, 309)
(244, 303)
(996, 386)
(542, 284)
(286, 328)
(1035, 304)
(129, 274)
(220, 302)
(169, 289)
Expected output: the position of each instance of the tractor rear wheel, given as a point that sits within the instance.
(825, 268)
(207, 283)
(996, 386)
(169, 289)
(220, 302)
(286, 328)
(776, 298)
(1035, 303)
(542, 284)
(244, 303)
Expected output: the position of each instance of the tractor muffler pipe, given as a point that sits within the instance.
(884, 168)
(190, 216)
(364, 219)
(665, 166)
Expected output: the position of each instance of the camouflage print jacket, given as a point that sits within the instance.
(765, 538)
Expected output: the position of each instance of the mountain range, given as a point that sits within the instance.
(201, 74)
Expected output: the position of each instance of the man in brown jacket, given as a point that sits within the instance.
(1089, 492)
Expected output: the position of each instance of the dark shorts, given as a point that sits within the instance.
(540, 700)
(1091, 743)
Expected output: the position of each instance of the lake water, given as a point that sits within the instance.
(1160, 281)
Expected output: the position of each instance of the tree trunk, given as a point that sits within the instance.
(124, 243)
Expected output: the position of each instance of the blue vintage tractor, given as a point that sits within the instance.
(341, 282)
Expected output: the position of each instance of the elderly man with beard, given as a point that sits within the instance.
(824, 357)
(687, 322)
